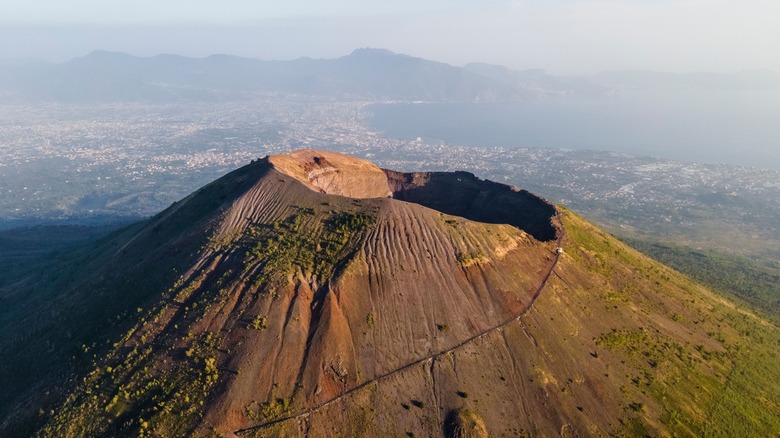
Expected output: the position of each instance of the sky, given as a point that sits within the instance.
(560, 36)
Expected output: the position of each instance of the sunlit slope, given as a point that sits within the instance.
(616, 344)
(697, 364)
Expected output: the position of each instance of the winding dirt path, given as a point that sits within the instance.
(432, 357)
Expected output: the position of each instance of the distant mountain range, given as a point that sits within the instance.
(365, 73)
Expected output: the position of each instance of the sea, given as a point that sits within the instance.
(736, 127)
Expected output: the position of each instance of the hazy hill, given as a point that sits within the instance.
(312, 293)
(535, 83)
(365, 73)
(650, 80)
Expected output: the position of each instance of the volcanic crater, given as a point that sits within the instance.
(454, 193)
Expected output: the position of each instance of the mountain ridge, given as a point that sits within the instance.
(365, 73)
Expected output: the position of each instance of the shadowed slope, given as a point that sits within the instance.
(80, 304)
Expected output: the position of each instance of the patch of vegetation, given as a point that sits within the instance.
(258, 322)
(634, 427)
(469, 258)
(270, 410)
(349, 222)
(304, 242)
(465, 423)
(652, 349)
(739, 277)
(138, 396)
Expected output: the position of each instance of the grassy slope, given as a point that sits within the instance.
(704, 365)
(743, 278)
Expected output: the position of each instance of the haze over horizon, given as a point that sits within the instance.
(562, 37)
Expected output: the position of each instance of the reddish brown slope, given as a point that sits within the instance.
(420, 283)
(615, 345)
(300, 296)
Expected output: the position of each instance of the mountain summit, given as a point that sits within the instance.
(315, 294)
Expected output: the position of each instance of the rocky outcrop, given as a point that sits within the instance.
(333, 173)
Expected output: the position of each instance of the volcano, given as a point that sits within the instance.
(316, 294)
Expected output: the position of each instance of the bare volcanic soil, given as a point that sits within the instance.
(315, 294)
